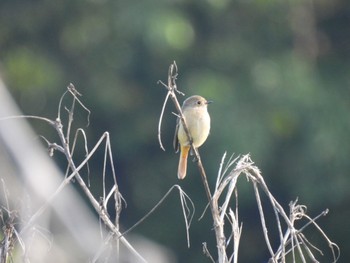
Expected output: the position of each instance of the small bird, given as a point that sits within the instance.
(197, 119)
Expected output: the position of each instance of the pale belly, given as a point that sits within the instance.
(198, 127)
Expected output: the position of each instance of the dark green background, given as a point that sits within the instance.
(277, 71)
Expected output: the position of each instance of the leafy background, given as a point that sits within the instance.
(277, 71)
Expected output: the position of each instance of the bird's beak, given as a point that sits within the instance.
(209, 101)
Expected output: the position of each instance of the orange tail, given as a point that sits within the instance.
(181, 170)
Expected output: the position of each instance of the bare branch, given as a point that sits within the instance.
(65, 148)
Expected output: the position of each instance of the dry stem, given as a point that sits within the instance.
(292, 239)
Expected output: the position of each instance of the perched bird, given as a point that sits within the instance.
(197, 119)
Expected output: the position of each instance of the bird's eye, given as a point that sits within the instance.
(199, 102)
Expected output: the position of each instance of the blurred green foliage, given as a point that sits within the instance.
(278, 72)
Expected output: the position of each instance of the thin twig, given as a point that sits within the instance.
(188, 213)
(206, 252)
(262, 219)
(160, 122)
